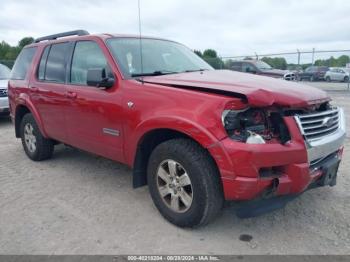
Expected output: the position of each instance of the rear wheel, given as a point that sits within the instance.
(184, 183)
(36, 146)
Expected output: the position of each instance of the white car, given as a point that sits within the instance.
(337, 74)
(4, 77)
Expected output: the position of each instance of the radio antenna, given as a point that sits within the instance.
(140, 37)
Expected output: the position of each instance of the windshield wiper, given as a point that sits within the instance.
(155, 73)
(196, 70)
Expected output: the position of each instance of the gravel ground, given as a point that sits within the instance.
(78, 203)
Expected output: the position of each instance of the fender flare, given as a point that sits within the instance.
(24, 100)
(182, 125)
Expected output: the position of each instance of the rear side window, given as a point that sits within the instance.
(23, 63)
(56, 63)
(42, 65)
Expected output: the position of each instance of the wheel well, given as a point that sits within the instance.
(20, 112)
(144, 149)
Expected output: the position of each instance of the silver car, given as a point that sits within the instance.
(337, 74)
(4, 77)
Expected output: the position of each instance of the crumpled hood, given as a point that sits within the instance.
(258, 90)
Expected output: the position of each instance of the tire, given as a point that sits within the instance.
(204, 184)
(36, 146)
(346, 79)
(328, 79)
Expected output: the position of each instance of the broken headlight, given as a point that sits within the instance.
(255, 126)
(250, 126)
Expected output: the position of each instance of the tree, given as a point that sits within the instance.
(9, 53)
(276, 62)
(210, 53)
(198, 52)
(25, 41)
(211, 57)
(341, 61)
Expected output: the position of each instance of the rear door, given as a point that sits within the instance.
(48, 90)
(94, 117)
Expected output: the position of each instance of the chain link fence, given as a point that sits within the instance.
(298, 62)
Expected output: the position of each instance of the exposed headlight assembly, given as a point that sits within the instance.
(254, 126)
(245, 126)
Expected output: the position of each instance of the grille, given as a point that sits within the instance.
(3, 92)
(320, 124)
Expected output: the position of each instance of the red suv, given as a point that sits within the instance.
(195, 135)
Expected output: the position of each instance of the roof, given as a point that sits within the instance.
(84, 35)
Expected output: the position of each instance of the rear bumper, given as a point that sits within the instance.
(269, 170)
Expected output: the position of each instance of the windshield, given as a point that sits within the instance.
(4, 72)
(262, 65)
(158, 57)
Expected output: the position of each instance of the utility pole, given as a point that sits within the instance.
(313, 55)
(298, 57)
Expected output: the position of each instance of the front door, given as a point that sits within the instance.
(94, 115)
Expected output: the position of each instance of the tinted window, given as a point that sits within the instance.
(236, 66)
(56, 63)
(87, 55)
(42, 65)
(248, 67)
(309, 69)
(22, 64)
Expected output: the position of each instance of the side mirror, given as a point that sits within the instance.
(97, 77)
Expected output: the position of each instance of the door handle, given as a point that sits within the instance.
(71, 94)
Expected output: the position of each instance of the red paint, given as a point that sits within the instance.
(76, 115)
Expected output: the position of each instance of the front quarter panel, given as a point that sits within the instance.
(196, 114)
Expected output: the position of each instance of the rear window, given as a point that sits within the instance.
(56, 63)
(22, 63)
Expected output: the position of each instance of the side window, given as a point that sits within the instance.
(22, 64)
(246, 67)
(56, 63)
(237, 66)
(42, 65)
(87, 55)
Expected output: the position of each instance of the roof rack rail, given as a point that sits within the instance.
(55, 36)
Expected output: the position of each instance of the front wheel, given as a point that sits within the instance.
(328, 79)
(36, 146)
(184, 183)
(346, 79)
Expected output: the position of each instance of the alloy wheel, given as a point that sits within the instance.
(174, 186)
(30, 138)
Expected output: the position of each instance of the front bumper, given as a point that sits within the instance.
(270, 170)
(4, 105)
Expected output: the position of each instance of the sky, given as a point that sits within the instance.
(232, 27)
